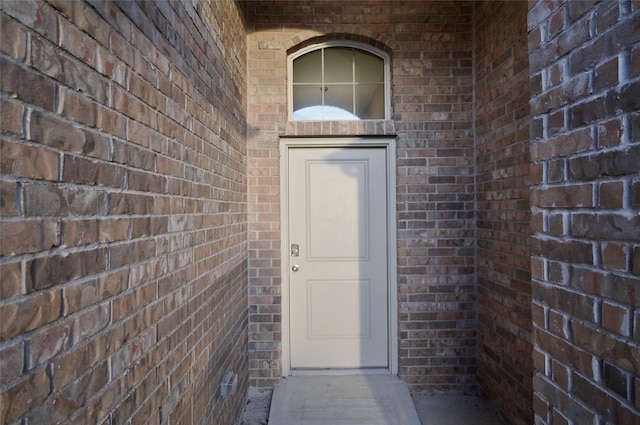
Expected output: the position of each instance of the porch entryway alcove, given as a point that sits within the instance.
(457, 297)
(141, 248)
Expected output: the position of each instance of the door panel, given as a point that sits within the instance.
(338, 223)
(341, 296)
(338, 295)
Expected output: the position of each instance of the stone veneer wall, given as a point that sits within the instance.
(123, 189)
(503, 212)
(585, 196)
(430, 45)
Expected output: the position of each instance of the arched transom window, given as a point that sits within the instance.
(338, 82)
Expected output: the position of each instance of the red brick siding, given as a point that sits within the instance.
(585, 83)
(123, 185)
(503, 212)
(430, 44)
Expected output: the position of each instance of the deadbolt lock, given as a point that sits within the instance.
(295, 250)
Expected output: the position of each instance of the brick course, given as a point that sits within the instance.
(582, 75)
(123, 191)
(503, 212)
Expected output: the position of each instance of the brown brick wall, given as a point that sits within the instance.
(430, 44)
(123, 267)
(503, 212)
(585, 152)
(139, 202)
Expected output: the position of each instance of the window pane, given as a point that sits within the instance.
(323, 113)
(338, 65)
(369, 68)
(338, 83)
(307, 95)
(340, 96)
(370, 101)
(308, 68)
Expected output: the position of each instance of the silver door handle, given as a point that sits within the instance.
(295, 268)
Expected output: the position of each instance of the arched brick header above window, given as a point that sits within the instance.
(309, 38)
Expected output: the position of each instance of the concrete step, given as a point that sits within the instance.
(342, 400)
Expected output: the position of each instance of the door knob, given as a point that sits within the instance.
(295, 268)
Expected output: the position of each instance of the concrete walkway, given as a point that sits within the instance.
(342, 400)
(362, 399)
(455, 410)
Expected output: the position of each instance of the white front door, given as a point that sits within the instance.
(338, 272)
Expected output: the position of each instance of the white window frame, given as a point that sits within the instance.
(342, 43)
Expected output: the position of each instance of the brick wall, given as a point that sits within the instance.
(123, 185)
(126, 168)
(503, 212)
(430, 47)
(585, 197)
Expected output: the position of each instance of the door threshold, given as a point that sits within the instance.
(339, 372)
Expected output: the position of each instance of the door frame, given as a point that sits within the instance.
(387, 143)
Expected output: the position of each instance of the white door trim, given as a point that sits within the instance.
(388, 144)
